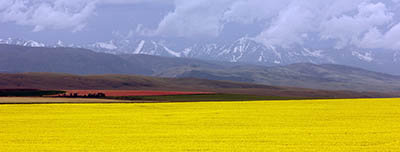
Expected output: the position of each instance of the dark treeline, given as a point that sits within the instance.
(28, 92)
(90, 95)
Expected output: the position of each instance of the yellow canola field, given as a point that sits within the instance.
(298, 125)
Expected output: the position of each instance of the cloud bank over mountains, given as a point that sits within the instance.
(363, 23)
(54, 14)
(47, 14)
(372, 24)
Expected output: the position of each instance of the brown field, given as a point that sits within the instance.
(48, 100)
(119, 93)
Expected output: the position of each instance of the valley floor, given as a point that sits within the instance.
(49, 100)
(296, 125)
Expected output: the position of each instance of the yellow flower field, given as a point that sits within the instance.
(298, 125)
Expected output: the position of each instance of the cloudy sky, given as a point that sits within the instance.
(344, 23)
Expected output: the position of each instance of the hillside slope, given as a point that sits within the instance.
(66, 60)
(16, 59)
(129, 82)
(305, 75)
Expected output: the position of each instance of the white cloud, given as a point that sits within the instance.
(208, 17)
(348, 29)
(194, 18)
(54, 14)
(287, 22)
(302, 18)
(250, 11)
(4, 4)
(283, 18)
(133, 1)
(288, 29)
(376, 39)
(45, 14)
(362, 23)
(391, 38)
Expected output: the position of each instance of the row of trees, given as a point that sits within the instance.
(90, 95)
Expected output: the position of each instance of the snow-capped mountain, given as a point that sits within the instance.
(250, 51)
(149, 47)
(242, 50)
(29, 43)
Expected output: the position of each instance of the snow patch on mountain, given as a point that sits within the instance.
(106, 45)
(261, 57)
(139, 47)
(32, 43)
(9, 41)
(187, 51)
(60, 43)
(176, 54)
(28, 43)
(275, 51)
(367, 56)
(308, 52)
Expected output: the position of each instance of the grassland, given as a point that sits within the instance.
(296, 125)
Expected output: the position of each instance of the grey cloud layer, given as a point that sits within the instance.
(47, 14)
(287, 22)
(54, 14)
(361, 23)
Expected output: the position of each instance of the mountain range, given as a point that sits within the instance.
(17, 59)
(243, 50)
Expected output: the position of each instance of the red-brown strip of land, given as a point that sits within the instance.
(119, 93)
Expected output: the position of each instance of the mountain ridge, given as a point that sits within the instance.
(17, 59)
(247, 50)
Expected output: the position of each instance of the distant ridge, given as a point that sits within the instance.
(18, 59)
(65, 60)
(241, 50)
